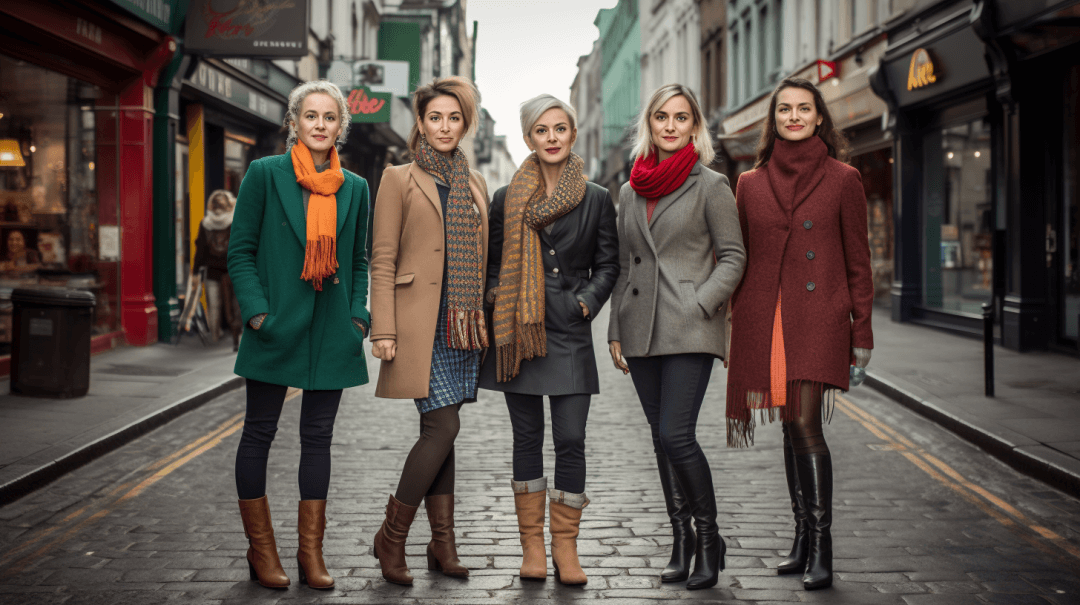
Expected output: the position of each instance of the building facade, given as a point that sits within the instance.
(620, 69)
(712, 15)
(587, 98)
(670, 45)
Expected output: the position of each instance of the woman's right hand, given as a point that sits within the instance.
(616, 355)
(384, 348)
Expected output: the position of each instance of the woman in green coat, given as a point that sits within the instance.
(297, 256)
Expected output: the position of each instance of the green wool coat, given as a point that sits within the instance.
(308, 339)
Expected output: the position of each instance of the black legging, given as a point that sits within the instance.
(429, 469)
(568, 416)
(805, 432)
(317, 413)
(671, 388)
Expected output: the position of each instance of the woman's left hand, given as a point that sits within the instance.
(584, 309)
(862, 357)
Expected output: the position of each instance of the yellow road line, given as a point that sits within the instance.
(170, 464)
(992, 505)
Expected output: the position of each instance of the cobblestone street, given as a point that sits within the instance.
(921, 517)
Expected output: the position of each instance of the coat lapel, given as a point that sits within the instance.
(811, 184)
(640, 214)
(344, 200)
(292, 199)
(427, 185)
(665, 202)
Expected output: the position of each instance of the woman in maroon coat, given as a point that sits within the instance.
(802, 311)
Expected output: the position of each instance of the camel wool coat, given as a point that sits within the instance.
(407, 259)
(814, 251)
(677, 271)
(308, 339)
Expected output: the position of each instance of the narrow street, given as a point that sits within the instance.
(921, 517)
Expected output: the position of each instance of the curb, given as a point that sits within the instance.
(1047, 471)
(39, 477)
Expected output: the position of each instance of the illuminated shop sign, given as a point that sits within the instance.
(921, 72)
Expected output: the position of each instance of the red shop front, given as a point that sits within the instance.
(76, 172)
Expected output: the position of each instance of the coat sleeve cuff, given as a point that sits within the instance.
(590, 302)
(255, 308)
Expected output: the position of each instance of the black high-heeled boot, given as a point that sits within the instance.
(695, 478)
(815, 477)
(682, 529)
(796, 560)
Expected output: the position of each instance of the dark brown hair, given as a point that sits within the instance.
(458, 87)
(834, 139)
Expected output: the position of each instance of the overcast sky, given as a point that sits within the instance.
(528, 47)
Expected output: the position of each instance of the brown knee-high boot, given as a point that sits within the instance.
(530, 498)
(442, 551)
(311, 524)
(262, 555)
(565, 519)
(389, 545)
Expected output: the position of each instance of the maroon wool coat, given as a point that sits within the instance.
(819, 254)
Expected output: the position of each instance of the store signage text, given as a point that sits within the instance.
(246, 28)
(369, 107)
(213, 80)
(236, 92)
(88, 30)
(921, 71)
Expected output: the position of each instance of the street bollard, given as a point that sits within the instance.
(988, 346)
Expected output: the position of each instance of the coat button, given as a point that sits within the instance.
(810, 254)
(284, 224)
(551, 252)
(637, 260)
(807, 224)
(810, 286)
(635, 291)
(555, 270)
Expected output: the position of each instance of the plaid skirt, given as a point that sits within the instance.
(454, 372)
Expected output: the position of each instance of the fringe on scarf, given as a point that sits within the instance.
(320, 260)
(532, 343)
(743, 403)
(466, 330)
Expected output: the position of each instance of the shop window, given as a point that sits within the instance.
(49, 196)
(958, 226)
(1069, 235)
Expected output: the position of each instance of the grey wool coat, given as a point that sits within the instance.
(677, 271)
(581, 263)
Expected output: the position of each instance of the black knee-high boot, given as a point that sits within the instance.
(682, 529)
(796, 560)
(815, 478)
(695, 477)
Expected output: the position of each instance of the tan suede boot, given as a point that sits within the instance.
(442, 551)
(389, 545)
(529, 501)
(262, 555)
(311, 524)
(565, 519)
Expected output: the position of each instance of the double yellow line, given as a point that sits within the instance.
(70, 525)
(999, 510)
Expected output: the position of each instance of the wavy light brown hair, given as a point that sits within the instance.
(832, 136)
(458, 87)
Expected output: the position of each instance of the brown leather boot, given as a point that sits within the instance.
(441, 551)
(389, 546)
(565, 519)
(529, 501)
(262, 555)
(311, 524)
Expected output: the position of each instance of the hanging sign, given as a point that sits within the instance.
(247, 28)
(826, 70)
(369, 107)
(921, 72)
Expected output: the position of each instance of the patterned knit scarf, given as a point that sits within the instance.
(320, 255)
(519, 300)
(465, 328)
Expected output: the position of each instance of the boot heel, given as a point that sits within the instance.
(254, 577)
(303, 576)
(432, 561)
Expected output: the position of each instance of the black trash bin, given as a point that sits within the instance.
(50, 345)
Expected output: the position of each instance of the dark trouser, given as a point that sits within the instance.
(568, 416)
(317, 413)
(671, 388)
(429, 469)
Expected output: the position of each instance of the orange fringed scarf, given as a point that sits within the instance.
(320, 256)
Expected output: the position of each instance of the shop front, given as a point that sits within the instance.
(75, 160)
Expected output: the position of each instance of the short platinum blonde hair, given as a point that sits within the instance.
(535, 107)
(701, 138)
(296, 100)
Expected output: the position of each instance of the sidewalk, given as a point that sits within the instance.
(1033, 423)
(132, 390)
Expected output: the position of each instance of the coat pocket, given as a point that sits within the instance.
(689, 300)
(405, 278)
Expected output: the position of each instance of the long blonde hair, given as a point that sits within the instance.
(701, 138)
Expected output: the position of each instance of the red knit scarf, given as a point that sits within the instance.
(653, 179)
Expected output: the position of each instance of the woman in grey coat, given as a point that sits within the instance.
(552, 262)
(681, 255)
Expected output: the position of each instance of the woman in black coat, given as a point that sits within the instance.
(552, 263)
